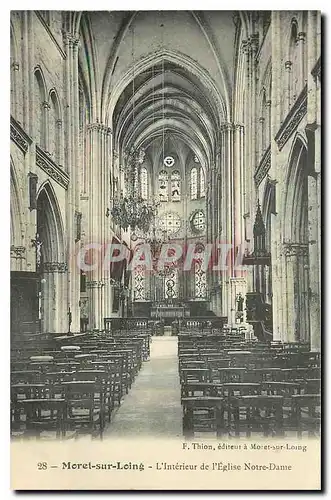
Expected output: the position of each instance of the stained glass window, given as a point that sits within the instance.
(202, 183)
(163, 186)
(171, 284)
(198, 221)
(175, 185)
(170, 223)
(194, 183)
(139, 283)
(144, 183)
(200, 281)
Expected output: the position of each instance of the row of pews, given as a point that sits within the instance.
(234, 386)
(67, 385)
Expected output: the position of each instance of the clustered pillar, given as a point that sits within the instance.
(98, 283)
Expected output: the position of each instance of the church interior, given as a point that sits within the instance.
(165, 238)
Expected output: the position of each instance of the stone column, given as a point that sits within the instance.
(232, 204)
(95, 302)
(238, 196)
(99, 292)
(268, 122)
(262, 136)
(289, 97)
(314, 179)
(314, 295)
(14, 90)
(249, 49)
(26, 70)
(71, 43)
(226, 144)
(27, 122)
(278, 110)
(45, 123)
(53, 295)
(59, 143)
(302, 60)
(289, 335)
(297, 302)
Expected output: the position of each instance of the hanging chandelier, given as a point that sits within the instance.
(131, 210)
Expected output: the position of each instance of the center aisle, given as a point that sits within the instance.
(152, 407)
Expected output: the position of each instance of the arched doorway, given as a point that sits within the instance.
(296, 245)
(51, 266)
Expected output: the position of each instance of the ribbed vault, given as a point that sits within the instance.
(166, 99)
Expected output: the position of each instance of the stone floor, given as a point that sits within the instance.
(152, 407)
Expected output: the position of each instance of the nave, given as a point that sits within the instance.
(203, 382)
(153, 407)
(165, 176)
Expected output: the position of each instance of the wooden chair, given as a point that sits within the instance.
(85, 407)
(118, 379)
(306, 414)
(202, 414)
(195, 374)
(45, 414)
(232, 374)
(257, 413)
(312, 386)
(18, 393)
(103, 380)
(192, 389)
(25, 376)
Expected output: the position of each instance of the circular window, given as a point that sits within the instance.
(170, 223)
(168, 161)
(198, 221)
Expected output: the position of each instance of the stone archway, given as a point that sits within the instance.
(296, 249)
(53, 268)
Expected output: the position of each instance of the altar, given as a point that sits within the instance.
(169, 311)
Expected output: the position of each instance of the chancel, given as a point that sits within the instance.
(165, 174)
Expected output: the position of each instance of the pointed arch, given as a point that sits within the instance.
(49, 224)
(295, 223)
(297, 171)
(41, 104)
(55, 126)
(170, 56)
(89, 61)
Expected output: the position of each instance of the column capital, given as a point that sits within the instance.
(254, 41)
(292, 249)
(17, 252)
(99, 127)
(230, 127)
(95, 284)
(226, 127)
(70, 39)
(55, 267)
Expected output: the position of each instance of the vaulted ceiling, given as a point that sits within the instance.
(153, 73)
